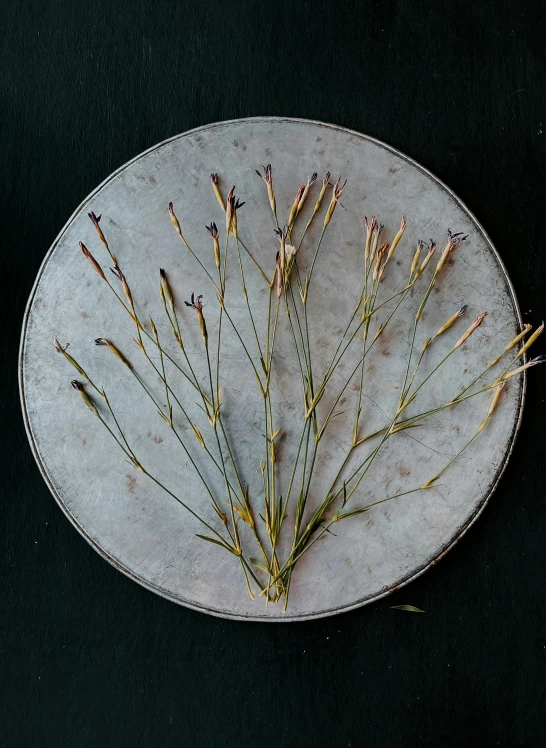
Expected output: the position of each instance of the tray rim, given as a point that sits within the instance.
(281, 618)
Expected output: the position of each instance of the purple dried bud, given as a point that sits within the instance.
(267, 176)
(94, 264)
(198, 306)
(456, 238)
(94, 219)
(78, 386)
(114, 349)
(213, 230)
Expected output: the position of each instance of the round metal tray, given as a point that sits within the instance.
(124, 516)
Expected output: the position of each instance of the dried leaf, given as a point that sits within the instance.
(410, 608)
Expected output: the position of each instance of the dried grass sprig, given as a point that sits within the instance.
(270, 575)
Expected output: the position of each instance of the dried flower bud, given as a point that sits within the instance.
(531, 340)
(528, 365)
(450, 321)
(420, 245)
(176, 223)
(495, 399)
(213, 231)
(378, 268)
(282, 251)
(232, 206)
(126, 290)
(279, 275)
(94, 264)
(114, 349)
(370, 228)
(216, 188)
(397, 238)
(378, 230)
(268, 179)
(294, 208)
(95, 220)
(303, 198)
(197, 304)
(85, 397)
(429, 255)
(320, 198)
(452, 241)
(519, 337)
(337, 191)
(62, 350)
(492, 406)
(164, 283)
(474, 326)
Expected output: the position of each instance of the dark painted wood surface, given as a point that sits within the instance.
(87, 657)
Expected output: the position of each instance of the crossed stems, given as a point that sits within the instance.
(274, 518)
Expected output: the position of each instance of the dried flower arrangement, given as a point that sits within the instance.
(267, 573)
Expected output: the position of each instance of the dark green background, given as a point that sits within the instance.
(87, 657)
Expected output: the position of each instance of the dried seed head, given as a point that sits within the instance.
(337, 191)
(62, 350)
(114, 349)
(474, 326)
(94, 264)
(528, 365)
(524, 348)
(78, 386)
(216, 188)
(519, 337)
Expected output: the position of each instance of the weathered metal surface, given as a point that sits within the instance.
(133, 524)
